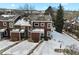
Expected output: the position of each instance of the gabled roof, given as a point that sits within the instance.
(40, 17)
(8, 17)
(22, 22)
(18, 30)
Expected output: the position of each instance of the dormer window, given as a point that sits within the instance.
(4, 23)
(11, 25)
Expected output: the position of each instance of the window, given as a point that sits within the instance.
(11, 25)
(49, 25)
(36, 24)
(48, 33)
(6, 33)
(4, 23)
(22, 35)
(42, 24)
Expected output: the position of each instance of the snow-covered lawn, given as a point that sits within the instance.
(22, 48)
(5, 43)
(66, 39)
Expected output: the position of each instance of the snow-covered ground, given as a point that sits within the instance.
(22, 48)
(47, 47)
(66, 39)
(5, 43)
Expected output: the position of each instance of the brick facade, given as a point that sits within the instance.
(45, 27)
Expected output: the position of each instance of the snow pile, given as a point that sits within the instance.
(5, 43)
(73, 47)
(22, 48)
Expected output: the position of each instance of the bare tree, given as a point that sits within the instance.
(31, 9)
(28, 8)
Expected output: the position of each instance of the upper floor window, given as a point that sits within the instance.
(49, 25)
(48, 33)
(42, 24)
(4, 23)
(36, 24)
(11, 25)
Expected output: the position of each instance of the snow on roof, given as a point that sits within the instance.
(22, 30)
(15, 30)
(22, 22)
(18, 30)
(2, 30)
(7, 15)
(38, 30)
(73, 22)
(42, 21)
(67, 21)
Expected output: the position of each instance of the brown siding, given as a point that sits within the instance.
(1, 24)
(15, 36)
(35, 37)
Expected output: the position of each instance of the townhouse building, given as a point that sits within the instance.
(21, 30)
(44, 27)
(18, 28)
(7, 24)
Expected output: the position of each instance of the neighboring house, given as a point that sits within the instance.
(72, 25)
(7, 23)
